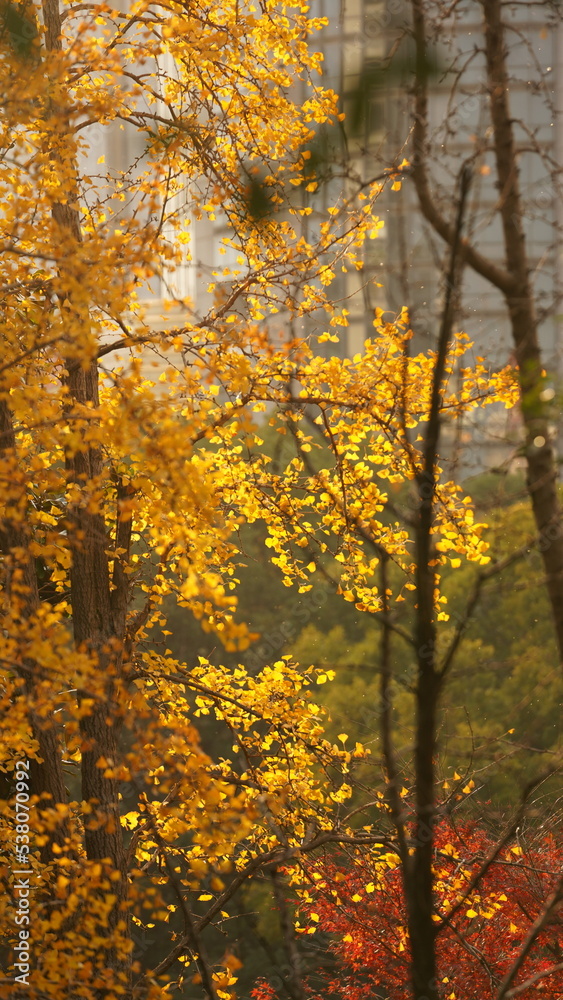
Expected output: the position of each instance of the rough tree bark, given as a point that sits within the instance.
(98, 598)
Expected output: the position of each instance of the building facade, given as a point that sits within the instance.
(412, 257)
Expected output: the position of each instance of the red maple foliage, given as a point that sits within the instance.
(358, 903)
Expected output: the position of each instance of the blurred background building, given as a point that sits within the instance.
(368, 60)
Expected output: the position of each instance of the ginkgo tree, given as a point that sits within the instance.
(110, 499)
(118, 492)
(115, 492)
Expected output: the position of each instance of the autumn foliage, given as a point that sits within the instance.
(123, 486)
(356, 903)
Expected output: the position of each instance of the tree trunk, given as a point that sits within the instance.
(98, 614)
(540, 459)
(418, 873)
(512, 280)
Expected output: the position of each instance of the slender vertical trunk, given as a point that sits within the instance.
(420, 897)
(540, 459)
(511, 278)
(421, 879)
(294, 981)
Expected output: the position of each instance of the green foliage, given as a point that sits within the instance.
(504, 676)
(18, 29)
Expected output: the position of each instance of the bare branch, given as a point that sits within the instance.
(482, 577)
(497, 275)
(551, 905)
